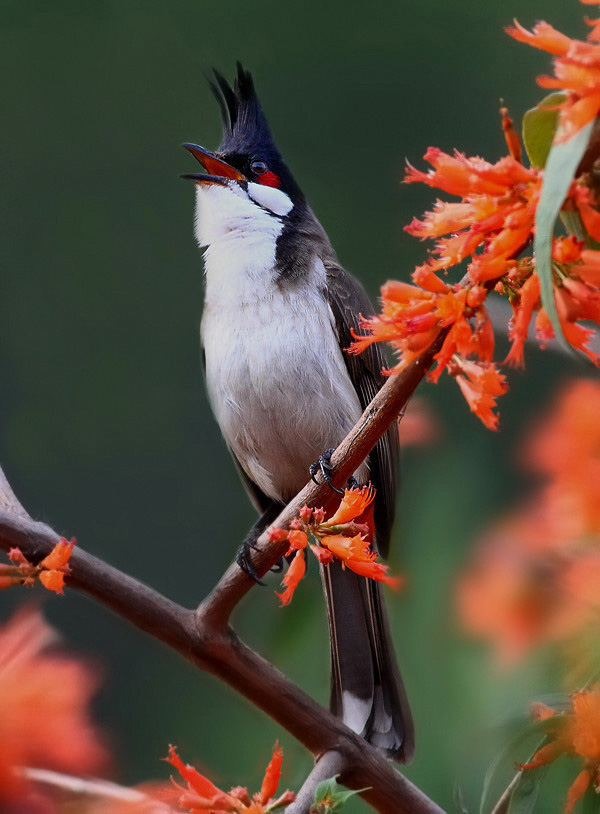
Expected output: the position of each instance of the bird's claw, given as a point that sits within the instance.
(244, 560)
(278, 567)
(323, 465)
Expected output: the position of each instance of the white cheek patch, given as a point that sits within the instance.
(270, 198)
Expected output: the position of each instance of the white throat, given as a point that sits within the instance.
(239, 230)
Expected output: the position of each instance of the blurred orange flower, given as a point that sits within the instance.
(419, 425)
(44, 698)
(577, 733)
(535, 577)
(202, 795)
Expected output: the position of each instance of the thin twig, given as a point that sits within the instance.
(503, 803)
(328, 766)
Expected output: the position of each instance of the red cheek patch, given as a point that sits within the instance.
(269, 179)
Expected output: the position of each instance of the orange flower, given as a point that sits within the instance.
(272, 776)
(374, 570)
(50, 571)
(44, 697)
(59, 556)
(293, 576)
(202, 794)
(346, 548)
(340, 537)
(353, 504)
(497, 211)
(297, 540)
(480, 385)
(577, 733)
(523, 311)
(576, 71)
(490, 228)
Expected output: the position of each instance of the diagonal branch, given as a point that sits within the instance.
(375, 420)
(204, 637)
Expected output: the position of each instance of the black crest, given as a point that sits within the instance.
(245, 128)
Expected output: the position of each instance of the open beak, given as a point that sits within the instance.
(218, 171)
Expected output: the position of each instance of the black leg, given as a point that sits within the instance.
(323, 465)
(244, 556)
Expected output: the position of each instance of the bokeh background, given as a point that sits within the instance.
(105, 430)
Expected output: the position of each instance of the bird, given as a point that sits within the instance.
(279, 312)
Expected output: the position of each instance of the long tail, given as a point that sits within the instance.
(367, 692)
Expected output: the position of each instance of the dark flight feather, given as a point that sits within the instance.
(348, 301)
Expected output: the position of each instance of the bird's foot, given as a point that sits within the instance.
(244, 559)
(353, 483)
(278, 567)
(323, 465)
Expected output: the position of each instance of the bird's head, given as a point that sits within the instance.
(246, 183)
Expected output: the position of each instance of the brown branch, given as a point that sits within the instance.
(204, 637)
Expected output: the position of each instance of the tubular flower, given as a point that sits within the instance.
(480, 385)
(496, 213)
(44, 718)
(51, 571)
(577, 733)
(202, 795)
(353, 504)
(576, 71)
(294, 574)
(342, 537)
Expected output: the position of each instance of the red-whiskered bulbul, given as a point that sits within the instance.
(278, 315)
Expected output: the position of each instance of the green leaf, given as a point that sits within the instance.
(498, 774)
(560, 169)
(539, 127)
(330, 797)
(526, 790)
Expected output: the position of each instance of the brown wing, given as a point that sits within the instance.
(348, 300)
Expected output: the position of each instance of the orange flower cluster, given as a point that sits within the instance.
(51, 571)
(489, 228)
(536, 576)
(340, 537)
(576, 733)
(202, 795)
(44, 720)
(576, 71)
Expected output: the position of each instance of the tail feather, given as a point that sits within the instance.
(367, 692)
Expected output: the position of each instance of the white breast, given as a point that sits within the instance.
(275, 373)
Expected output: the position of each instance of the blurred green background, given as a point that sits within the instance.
(105, 431)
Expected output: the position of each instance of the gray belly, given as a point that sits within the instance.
(279, 388)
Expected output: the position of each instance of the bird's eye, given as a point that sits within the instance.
(258, 167)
